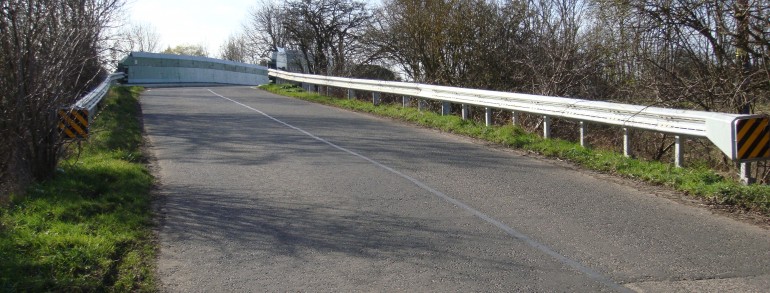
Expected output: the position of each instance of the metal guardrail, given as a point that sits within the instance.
(720, 128)
(75, 120)
(92, 99)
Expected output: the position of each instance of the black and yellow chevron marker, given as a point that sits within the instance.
(73, 123)
(752, 138)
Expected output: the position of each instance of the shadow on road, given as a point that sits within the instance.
(281, 224)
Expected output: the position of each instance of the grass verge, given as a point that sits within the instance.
(696, 181)
(89, 228)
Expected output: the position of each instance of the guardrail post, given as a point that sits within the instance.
(546, 127)
(745, 174)
(327, 90)
(515, 119)
(626, 142)
(420, 104)
(376, 98)
(403, 101)
(488, 115)
(351, 94)
(582, 134)
(445, 108)
(465, 112)
(678, 151)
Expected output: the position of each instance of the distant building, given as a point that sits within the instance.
(288, 60)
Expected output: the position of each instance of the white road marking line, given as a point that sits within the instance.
(596, 276)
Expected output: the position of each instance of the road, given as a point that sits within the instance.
(266, 193)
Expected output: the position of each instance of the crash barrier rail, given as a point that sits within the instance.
(74, 120)
(743, 138)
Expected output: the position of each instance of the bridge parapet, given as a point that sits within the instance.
(160, 69)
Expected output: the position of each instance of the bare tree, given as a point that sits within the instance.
(264, 30)
(235, 49)
(325, 31)
(50, 56)
(462, 43)
(710, 55)
(142, 37)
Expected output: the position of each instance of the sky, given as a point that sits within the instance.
(197, 22)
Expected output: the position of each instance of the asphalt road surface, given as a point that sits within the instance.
(266, 193)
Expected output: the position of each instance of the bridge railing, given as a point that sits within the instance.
(742, 138)
(92, 99)
(74, 120)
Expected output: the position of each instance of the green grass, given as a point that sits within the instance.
(696, 181)
(89, 228)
